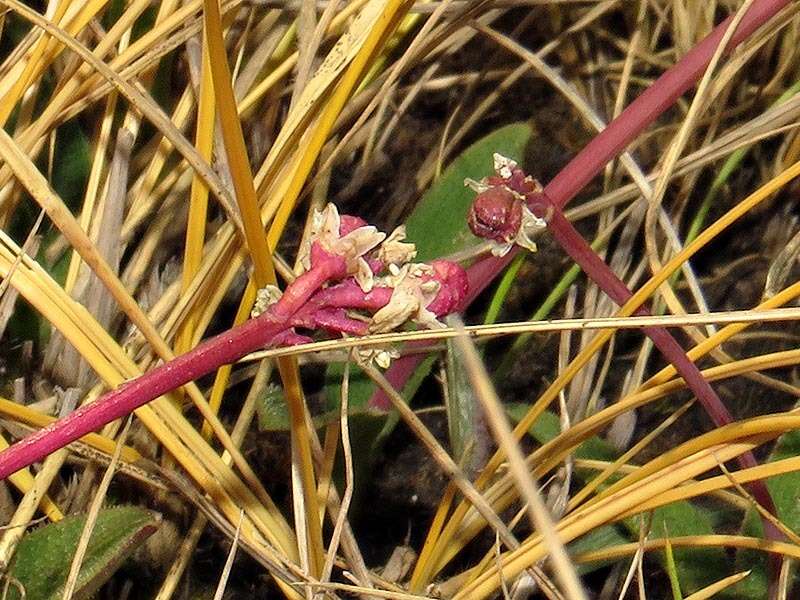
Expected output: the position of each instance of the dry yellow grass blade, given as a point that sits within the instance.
(699, 541)
(589, 488)
(353, 52)
(718, 586)
(198, 203)
(144, 197)
(286, 200)
(763, 313)
(695, 457)
(551, 453)
(264, 274)
(767, 427)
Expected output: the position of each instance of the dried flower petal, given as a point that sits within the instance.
(394, 251)
(326, 238)
(476, 186)
(380, 356)
(503, 165)
(414, 289)
(531, 225)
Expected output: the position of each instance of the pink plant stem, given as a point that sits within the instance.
(207, 357)
(662, 94)
(202, 360)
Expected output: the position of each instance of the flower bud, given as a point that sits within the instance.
(496, 214)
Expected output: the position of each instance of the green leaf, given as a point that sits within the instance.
(271, 410)
(44, 556)
(785, 492)
(438, 225)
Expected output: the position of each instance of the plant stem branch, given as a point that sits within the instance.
(204, 359)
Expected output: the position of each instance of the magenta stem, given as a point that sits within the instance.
(207, 357)
(662, 94)
(607, 144)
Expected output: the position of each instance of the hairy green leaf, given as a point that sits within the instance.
(44, 556)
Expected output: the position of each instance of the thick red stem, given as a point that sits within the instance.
(601, 274)
(206, 358)
(662, 94)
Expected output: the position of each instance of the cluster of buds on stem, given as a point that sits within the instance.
(505, 212)
(354, 279)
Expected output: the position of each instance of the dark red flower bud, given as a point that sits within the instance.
(496, 214)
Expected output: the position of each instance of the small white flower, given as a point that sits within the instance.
(394, 251)
(352, 247)
(531, 226)
(265, 297)
(380, 356)
(476, 186)
(411, 295)
(503, 165)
